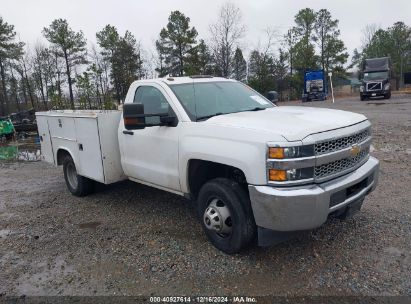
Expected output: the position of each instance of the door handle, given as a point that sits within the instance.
(128, 132)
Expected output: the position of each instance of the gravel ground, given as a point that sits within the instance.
(129, 239)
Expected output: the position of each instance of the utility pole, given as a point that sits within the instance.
(330, 74)
(246, 72)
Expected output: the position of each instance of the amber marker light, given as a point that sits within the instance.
(277, 153)
(132, 120)
(277, 175)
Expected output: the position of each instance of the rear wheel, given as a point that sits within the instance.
(226, 215)
(78, 185)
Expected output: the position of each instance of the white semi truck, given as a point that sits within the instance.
(254, 170)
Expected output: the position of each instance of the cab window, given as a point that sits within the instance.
(153, 100)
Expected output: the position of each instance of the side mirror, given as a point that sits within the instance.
(135, 119)
(272, 96)
(133, 115)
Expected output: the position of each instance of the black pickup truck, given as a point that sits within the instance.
(376, 74)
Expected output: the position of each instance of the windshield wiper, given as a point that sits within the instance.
(254, 109)
(205, 117)
(219, 113)
(257, 109)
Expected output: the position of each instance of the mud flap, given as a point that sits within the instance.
(350, 210)
(268, 237)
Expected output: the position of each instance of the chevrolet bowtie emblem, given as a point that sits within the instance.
(355, 150)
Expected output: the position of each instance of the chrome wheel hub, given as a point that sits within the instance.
(217, 218)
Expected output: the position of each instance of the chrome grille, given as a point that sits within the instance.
(340, 165)
(374, 86)
(341, 143)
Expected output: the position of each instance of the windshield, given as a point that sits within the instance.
(207, 99)
(375, 75)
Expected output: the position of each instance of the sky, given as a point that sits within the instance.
(146, 18)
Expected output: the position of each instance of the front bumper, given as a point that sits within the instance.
(314, 96)
(374, 93)
(308, 207)
(319, 95)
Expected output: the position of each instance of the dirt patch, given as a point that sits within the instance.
(89, 225)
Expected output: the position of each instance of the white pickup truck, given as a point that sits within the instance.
(256, 171)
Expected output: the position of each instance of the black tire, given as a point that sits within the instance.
(236, 199)
(387, 96)
(78, 185)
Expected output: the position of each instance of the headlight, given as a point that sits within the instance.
(290, 152)
(361, 88)
(293, 163)
(387, 86)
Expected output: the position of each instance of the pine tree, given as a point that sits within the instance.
(239, 66)
(176, 44)
(8, 50)
(124, 57)
(304, 51)
(332, 49)
(199, 62)
(108, 39)
(126, 62)
(71, 46)
(226, 34)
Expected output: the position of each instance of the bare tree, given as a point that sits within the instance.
(261, 62)
(368, 33)
(23, 68)
(150, 62)
(39, 63)
(100, 67)
(272, 37)
(225, 36)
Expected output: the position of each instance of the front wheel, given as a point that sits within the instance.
(78, 185)
(226, 215)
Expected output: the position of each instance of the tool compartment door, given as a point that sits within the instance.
(45, 139)
(89, 149)
(63, 136)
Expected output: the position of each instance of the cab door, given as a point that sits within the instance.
(150, 155)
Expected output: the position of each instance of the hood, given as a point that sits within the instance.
(293, 123)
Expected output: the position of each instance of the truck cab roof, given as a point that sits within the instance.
(376, 64)
(170, 80)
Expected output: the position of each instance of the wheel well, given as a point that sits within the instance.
(61, 154)
(201, 171)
